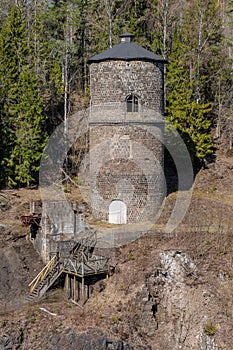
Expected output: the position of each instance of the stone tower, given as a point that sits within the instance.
(126, 133)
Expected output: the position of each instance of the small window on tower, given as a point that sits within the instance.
(132, 103)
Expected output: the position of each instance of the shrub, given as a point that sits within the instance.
(130, 256)
(115, 318)
(2, 323)
(210, 328)
(31, 319)
(78, 181)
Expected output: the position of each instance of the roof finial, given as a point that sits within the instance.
(127, 37)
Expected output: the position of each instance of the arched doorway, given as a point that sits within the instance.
(117, 212)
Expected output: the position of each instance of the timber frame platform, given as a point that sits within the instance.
(79, 266)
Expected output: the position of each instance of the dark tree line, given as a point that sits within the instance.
(44, 48)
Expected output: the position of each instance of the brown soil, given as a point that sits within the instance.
(143, 304)
(18, 263)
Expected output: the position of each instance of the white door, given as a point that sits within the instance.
(117, 212)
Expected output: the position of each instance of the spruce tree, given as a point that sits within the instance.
(30, 138)
(188, 114)
(22, 116)
(13, 52)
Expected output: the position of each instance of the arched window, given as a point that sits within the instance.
(132, 103)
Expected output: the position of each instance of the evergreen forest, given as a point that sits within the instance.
(44, 76)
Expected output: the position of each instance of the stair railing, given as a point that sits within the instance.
(41, 275)
(84, 244)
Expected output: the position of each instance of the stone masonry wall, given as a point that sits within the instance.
(126, 164)
(126, 152)
(112, 81)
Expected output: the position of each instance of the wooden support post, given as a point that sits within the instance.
(78, 289)
(83, 289)
(71, 287)
(74, 289)
(85, 294)
(32, 207)
(67, 284)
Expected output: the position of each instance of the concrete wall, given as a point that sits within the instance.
(60, 228)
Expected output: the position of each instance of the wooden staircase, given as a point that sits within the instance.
(45, 279)
(79, 256)
(83, 247)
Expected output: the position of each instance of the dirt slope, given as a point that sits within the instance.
(18, 263)
(166, 293)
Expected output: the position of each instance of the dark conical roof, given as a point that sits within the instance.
(127, 50)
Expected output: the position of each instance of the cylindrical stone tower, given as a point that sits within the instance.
(126, 133)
